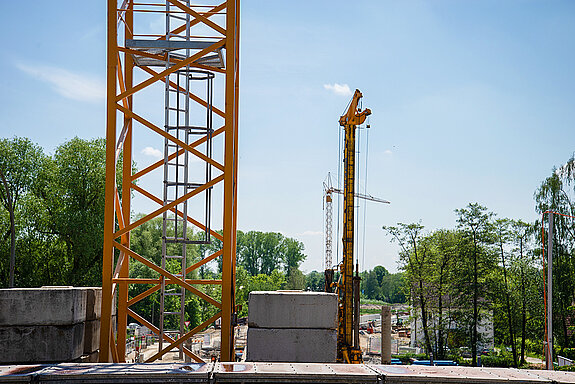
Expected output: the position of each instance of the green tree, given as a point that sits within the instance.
(503, 235)
(19, 160)
(475, 223)
(415, 261)
(71, 188)
(315, 281)
(552, 196)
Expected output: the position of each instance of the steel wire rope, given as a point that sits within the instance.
(339, 161)
(365, 187)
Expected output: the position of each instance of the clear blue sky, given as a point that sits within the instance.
(473, 101)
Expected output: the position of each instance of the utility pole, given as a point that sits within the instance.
(549, 341)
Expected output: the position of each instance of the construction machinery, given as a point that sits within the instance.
(347, 287)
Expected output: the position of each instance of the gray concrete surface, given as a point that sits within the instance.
(49, 324)
(291, 345)
(299, 373)
(91, 336)
(292, 309)
(93, 303)
(41, 343)
(385, 335)
(42, 306)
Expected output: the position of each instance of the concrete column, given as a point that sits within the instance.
(385, 335)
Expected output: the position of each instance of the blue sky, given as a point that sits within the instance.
(472, 101)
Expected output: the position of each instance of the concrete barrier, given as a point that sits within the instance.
(292, 309)
(42, 306)
(41, 343)
(292, 345)
(49, 324)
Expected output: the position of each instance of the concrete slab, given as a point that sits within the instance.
(126, 373)
(293, 373)
(292, 309)
(413, 374)
(42, 306)
(41, 344)
(19, 373)
(291, 345)
(91, 336)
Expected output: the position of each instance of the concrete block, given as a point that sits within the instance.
(292, 345)
(292, 309)
(42, 306)
(41, 344)
(91, 336)
(93, 303)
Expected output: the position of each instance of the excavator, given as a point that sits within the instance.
(348, 286)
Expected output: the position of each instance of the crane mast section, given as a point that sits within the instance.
(348, 347)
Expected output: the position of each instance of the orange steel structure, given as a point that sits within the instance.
(205, 40)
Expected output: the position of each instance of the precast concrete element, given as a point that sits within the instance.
(42, 306)
(385, 335)
(41, 343)
(91, 336)
(291, 345)
(294, 373)
(49, 324)
(285, 373)
(93, 303)
(292, 309)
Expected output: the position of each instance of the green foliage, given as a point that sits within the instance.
(379, 284)
(501, 359)
(60, 218)
(315, 281)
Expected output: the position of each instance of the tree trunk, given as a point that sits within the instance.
(523, 305)
(508, 305)
(475, 309)
(9, 204)
(440, 354)
(12, 246)
(424, 320)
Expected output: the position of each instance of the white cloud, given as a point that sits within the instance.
(388, 152)
(71, 85)
(338, 89)
(149, 151)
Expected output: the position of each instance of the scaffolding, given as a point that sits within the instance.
(191, 50)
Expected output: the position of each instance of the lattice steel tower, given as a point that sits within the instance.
(192, 50)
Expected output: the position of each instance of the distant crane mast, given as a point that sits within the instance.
(328, 191)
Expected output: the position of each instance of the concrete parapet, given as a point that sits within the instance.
(292, 345)
(43, 306)
(292, 309)
(41, 343)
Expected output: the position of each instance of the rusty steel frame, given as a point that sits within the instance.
(117, 223)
